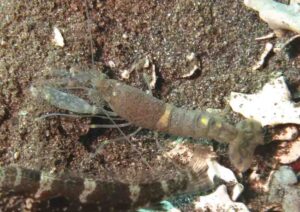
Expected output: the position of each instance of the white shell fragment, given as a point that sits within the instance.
(193, 72)
(270, 106)
(219, 201)
(279, 16)
(58, 39)
(216, 169)
(264, 55)
(154, 77)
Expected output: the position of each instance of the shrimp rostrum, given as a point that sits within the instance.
(146, 111)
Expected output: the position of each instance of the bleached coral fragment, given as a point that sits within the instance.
(219, 201)
(270, 106)
(278, 16)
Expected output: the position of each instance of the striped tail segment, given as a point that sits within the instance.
(110, 196)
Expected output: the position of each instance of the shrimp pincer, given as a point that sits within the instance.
(146, 111)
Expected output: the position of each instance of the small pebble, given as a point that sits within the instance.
(16, 155)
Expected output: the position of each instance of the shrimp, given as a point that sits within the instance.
(146, 111)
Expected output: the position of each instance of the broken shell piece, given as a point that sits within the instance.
(236, 192)
(58, 39)
(292, 154)
(279, 16)
(152, 84)
(264, 55)
(270, 106)
(216, 169)
(194, 72)
(219, 201)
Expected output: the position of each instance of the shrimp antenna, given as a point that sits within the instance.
(90, 32)
(76, 116)
(110, 125)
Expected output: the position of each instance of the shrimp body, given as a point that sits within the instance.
(149, 112)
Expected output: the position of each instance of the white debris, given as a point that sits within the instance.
(236, 192)
(290, 154)
(111, 64)
(283, 189)
(264, 55)
(195, 70)
(58, 39)
(270, 106)
(216, 169)
(125, 74)
(138, 65)
(219, 201)
(266, 37)
(146, 62)
(279, 16)
(191, 56)
(152, 84)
